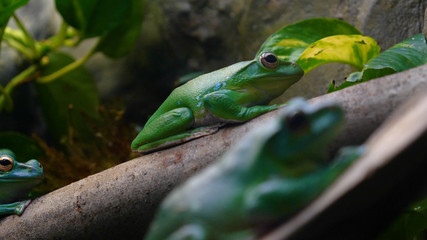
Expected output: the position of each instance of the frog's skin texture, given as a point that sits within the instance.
(232, 94)
(271, 174)
(16, 181)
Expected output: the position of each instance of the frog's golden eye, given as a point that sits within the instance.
(297, 121)
(6, 163)
(269, 60)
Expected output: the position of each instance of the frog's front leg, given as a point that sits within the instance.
(280, 197)
(160, 130)
(169, 129)
(223, 104)
(14, 208)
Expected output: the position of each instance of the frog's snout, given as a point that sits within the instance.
(34, 163)
(35, 167)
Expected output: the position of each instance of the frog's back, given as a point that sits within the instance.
(195, 89)
(214, 80)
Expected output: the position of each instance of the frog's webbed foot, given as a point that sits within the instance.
(192, 231)
(22, 206)
(348, 155)
(14, 208)
(179, 138)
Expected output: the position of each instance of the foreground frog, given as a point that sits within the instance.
(16, 181)
(232, 94)
(271, 174)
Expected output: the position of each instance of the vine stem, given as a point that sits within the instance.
(24, 76)
(17, 45)
(59, 39)
(26, 33)
(70, 67)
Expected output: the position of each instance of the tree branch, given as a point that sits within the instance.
(120, 202)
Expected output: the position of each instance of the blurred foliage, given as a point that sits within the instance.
(410, 225)
(69, 101)
(125, 33)
(7, 7)
(77, 159)
(93, 18)
(84, 136)
(24, 148)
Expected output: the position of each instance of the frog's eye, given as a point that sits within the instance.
(268, 60)
(6, 163)
(297, 121)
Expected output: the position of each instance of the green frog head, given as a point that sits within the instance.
(17, 179)
(267, 74)
(304, 133)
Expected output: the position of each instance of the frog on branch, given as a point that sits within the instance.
(16, 181)
(239, 92)
(232, 94)
(270, 175)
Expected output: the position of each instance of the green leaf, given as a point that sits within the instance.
(118, 42)
(355, 50)
(405, 55)
(25, 148)
(8, 102)
(411, 225)
(70, 101)
(7, 7)
(332, 87)
(93, 17)
(289, 42)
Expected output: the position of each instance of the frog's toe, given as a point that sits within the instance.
(21, 207)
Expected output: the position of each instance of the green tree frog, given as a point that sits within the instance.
(231, 94)
(268, 176)
(16, 181)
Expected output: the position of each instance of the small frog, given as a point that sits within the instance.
(16, 181)
(231, 94)
(271, 174)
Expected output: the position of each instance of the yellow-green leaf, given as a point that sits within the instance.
(289, 42)
(405, 55)
(355, 50)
